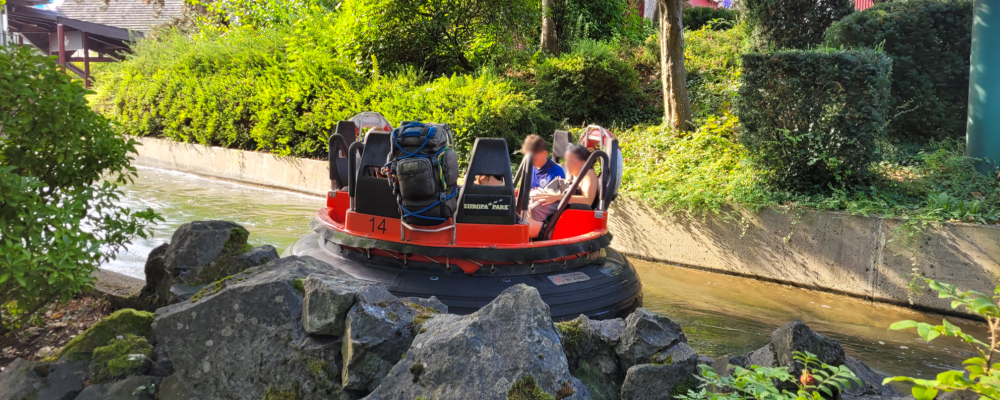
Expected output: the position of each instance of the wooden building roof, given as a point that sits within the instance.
(134, 15)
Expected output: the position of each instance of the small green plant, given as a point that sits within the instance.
(818, 381)
(981, 375)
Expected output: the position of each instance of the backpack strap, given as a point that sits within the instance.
(419, 214)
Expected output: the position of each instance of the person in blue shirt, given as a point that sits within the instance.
(545, 170)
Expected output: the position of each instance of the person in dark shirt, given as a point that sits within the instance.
(545, 170)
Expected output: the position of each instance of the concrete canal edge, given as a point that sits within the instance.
(830, 251)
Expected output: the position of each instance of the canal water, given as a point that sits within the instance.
(721, 315)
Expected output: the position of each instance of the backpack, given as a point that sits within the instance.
(423, 171)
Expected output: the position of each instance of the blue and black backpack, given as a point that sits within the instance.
(423, 171)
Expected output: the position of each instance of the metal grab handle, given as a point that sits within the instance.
(523, 195)
(356, 149)
(335, 143)
(546, 233)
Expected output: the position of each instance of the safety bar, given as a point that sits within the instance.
(546, 233)
(523, 195)
(356, 149)
(335, 144)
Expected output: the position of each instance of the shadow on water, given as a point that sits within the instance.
(727, 315)
(721, 314)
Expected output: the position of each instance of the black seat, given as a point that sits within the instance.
(346, 134)
(484, 204)
(560, 142)
(372, 193)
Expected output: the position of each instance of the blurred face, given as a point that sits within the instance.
(539, 159)
(573, 163)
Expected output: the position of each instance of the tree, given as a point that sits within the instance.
(550, 42)
(438, 36)
(61, 165)
(676, 106)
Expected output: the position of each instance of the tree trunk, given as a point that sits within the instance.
(550, 42)
(676, 106)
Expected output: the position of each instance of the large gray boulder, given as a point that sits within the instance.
(379, 330)
(430, 304)
(508, 346)
(244, 337)
(660, 381)
(199, 253)
(27, 380)
(121, 390)
(590, 350)
(326, 301)
(647, 334)
(871, 381)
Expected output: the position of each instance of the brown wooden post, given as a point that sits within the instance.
(61, 37)
(86, 60)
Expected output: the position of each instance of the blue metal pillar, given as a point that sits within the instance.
(983, 132)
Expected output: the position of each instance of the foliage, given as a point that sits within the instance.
(257, 91)
(122, 356)
(712, 61)
(716, 18)
(929, 42)
(121, 322)
(813, 118)
(981, 375)
(589, 85)
(588, 19)
(60, 167)
(792, 24)
(703, 171)
(818, 381)
(438, 36)
(527, 388)
(223, 15)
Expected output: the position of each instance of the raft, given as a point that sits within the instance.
(484, 248)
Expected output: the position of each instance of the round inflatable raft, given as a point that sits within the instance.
(484, 248)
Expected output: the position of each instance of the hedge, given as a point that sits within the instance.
(268, 94)
(589, 85)
(929, 42)
(696, 17)
(792, 24)
(814, 117)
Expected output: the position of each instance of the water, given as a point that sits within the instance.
(721, 315)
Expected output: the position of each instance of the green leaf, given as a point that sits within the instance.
(924, 393)
(903, 325)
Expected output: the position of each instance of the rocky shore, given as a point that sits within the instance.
(240, 323)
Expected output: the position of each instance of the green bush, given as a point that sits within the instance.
(929, 42)
(792, 24)
(719, 18)
(589, 85)
(437, 36)
(60, 167)
(814, 118)
(588, 19)
(255, 90)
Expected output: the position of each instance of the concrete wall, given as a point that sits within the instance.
(289, 173)
(858, 256)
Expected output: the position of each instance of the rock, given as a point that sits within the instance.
(119, 323)
(679, 351)
(199, 253)
(796, 336)
(121, 390)
(660, 381)
(26, 380)
(256, 256)
(161, 364)
(871, 381)
(431, 303)
(173, 388)
(763, 357)
(326, 302)
(590, 351)
(508, 347)
(246, 339)
(646, 333)
(379, 330)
